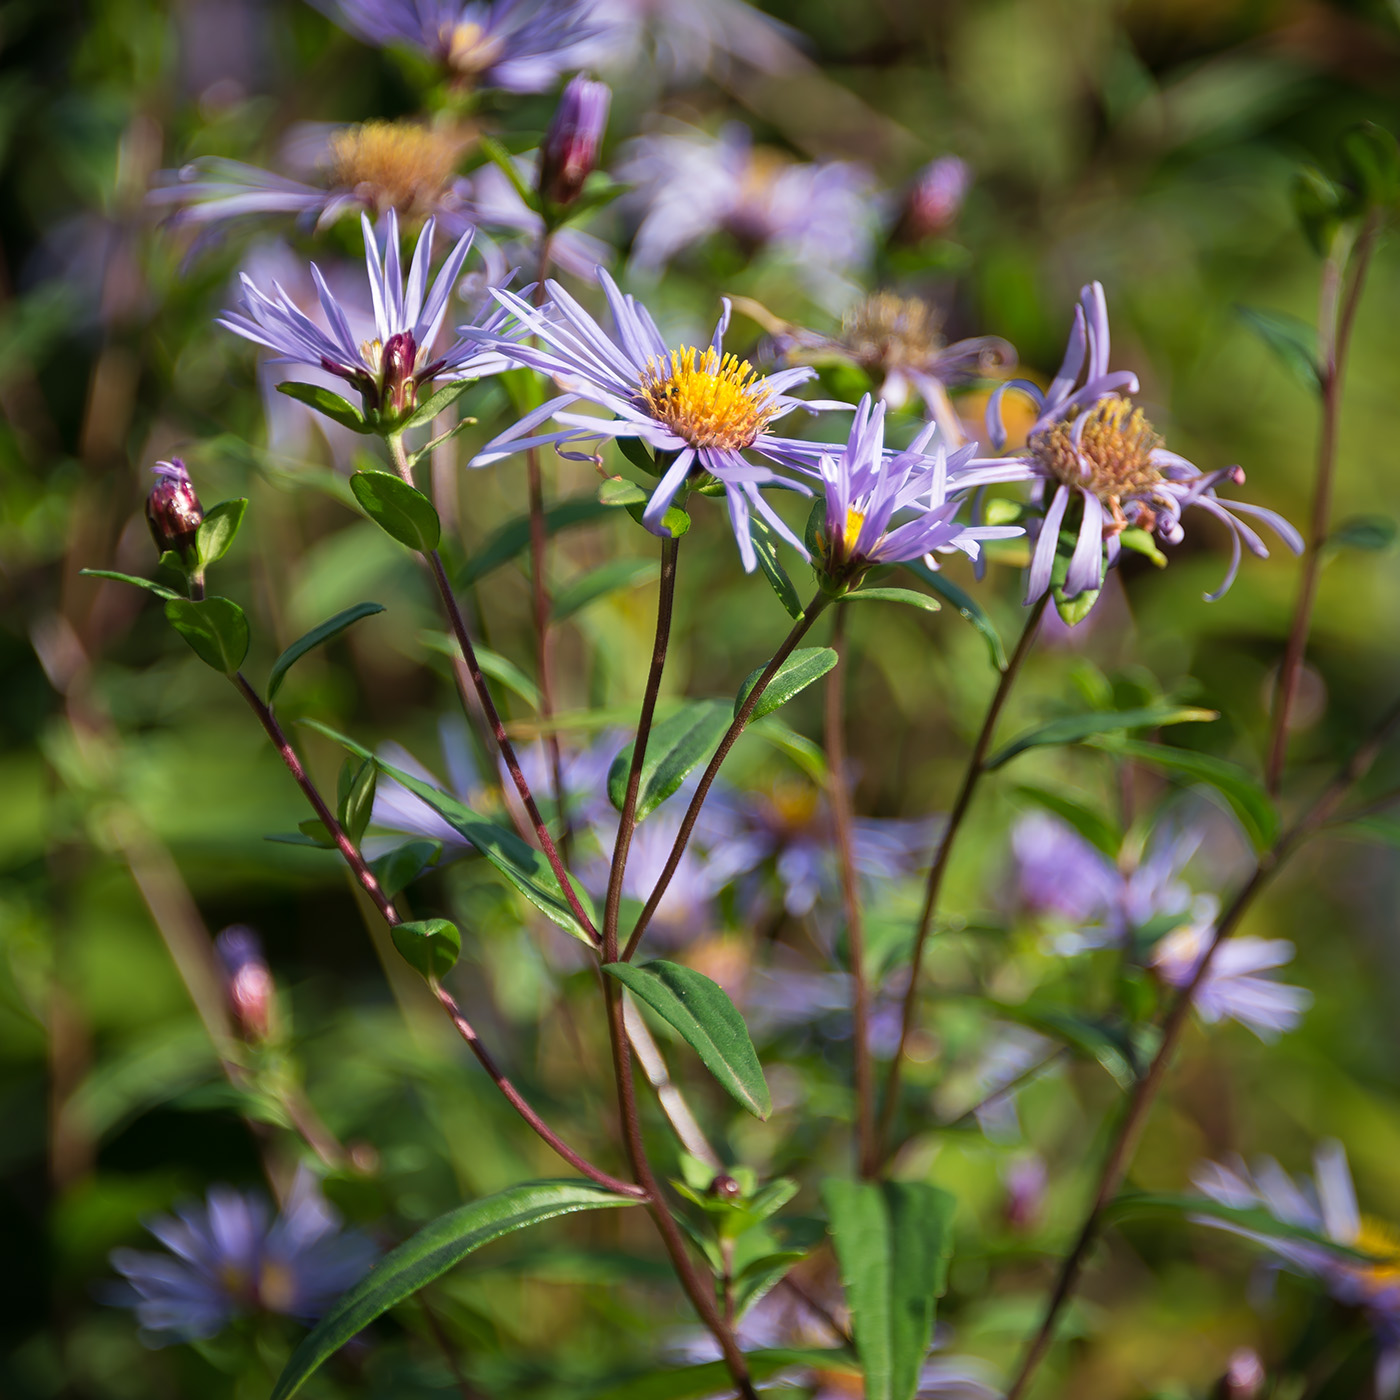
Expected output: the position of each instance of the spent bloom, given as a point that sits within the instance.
(868, 487)
(569, 152)
(1327, 1206)
(514, 45)
(388, 370)
(698, 410)
(228, 1258)
(173, 510)
(1091, 447)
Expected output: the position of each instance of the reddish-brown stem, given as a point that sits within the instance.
(799, 630)
(385, 905)
(973, 775)
(1334, 340)
(839, 795)
(1125, 1138)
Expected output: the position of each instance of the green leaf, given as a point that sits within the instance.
(674, 520)
(317, 636)
(159, 589)
(701, 1012)
(437, 402)
(357, 802)
(403, 865)
(640, 456)
(500, 158)
(1383, 829)
(967, 607)
(765, 544)
(316, 831)
(1140, 541)
(1246, 798)
(676, 745)
(805, 665)
(522, 864)
(1369, 533)
(1074, 610)
(429, 946)
(1111, 1043)
(1095, 829)
(907, 596)
(398, 509)
(331, 405)
(1292, 340)
(618, 491)
(712, 1377)
(798, 747)
(760, 1276)
(215, 628)
(1371, 163)
(893, 1240)
(1319, 207)
(611, 577)
(430, 1253)
(513, 537)
(217, 530)
(492, 664)
(1074, 729)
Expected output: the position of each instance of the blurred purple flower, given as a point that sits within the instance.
(934, 200)
(1059, 872)
(680, 39)
(398, 810)
(1091, 445)
(515, 45)
(1026, 1179)
(248, 983)
(819, 218)
(1327, 1206)
(227, 1259)
(700, 409)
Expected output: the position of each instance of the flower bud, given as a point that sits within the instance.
(1244, 1378)
(1025, 1194)
(570, 150)
(933, 200)
(725, 1188)
(173, 509)
(247, 981)
(397, 365)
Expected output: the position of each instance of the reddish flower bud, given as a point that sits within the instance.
(726, 1188)
(173, 509)
(1025, 1194)
(1244, 1378)
(400, 390)
(934, 200)
(247, 981)
(570, 150)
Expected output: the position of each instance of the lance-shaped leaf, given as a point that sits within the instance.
(805, 665)
(1293, 341)
(675, 746)
(429, 1254)
(967, 608)
(713, 1378)
(512, 537)
(217, 530)
(334, 407)
(317, 636)
(893, 1240)
(438, 402)
(1074, 729)
(492, 663)
(1093, 827)
(907, 596)
(704, 1017)
(150, 585)
(215, 628)
(765, 544)
(398, 509)
(1246, 798)
(404, 864)
(611, 577)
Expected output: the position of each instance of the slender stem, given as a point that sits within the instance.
(1334, 340)
(1145, 1091)
(628, 822)
(493, 717)
(385, 905)
(839, 794)
(976, 766)
(799, 630)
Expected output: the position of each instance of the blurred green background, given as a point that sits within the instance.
(1149, 145)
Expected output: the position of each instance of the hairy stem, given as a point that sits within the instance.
(839, 793)
(1129, 1130)
(1336, 316)
(971, 778)
(799, 630)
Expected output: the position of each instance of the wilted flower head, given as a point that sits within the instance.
(820, 217)
(516, 45)
(1092, 448)
(698, 410)
(228, 1259)
(173, 510)
(569, 152)
(247, 981)
(933, 200)
(406, 166)
(389, 370)
(867, 488)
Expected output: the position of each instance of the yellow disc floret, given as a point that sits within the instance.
(395, 165)
(708, 400)
(1381, 1240)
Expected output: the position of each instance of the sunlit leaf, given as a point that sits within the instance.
(801, 669)
(317, 636)
(675, 746)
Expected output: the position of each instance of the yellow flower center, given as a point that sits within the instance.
(708, 401)
(1381, 1240)
(1115, 445)
(888, 332)
(277, 1288)
(469, 50)
(794, 804)
(395, 165)
(854, 520)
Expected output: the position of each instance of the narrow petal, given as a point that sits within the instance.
(1043, 559)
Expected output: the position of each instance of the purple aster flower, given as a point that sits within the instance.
(407, 166)
(699, 410)
(227, 1259)
(389, 370)
(1327, 1206)
(1060, 873)
(819, 218)
(515, 45)
(867, 488)
(1234, 986)
(1089, 445)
